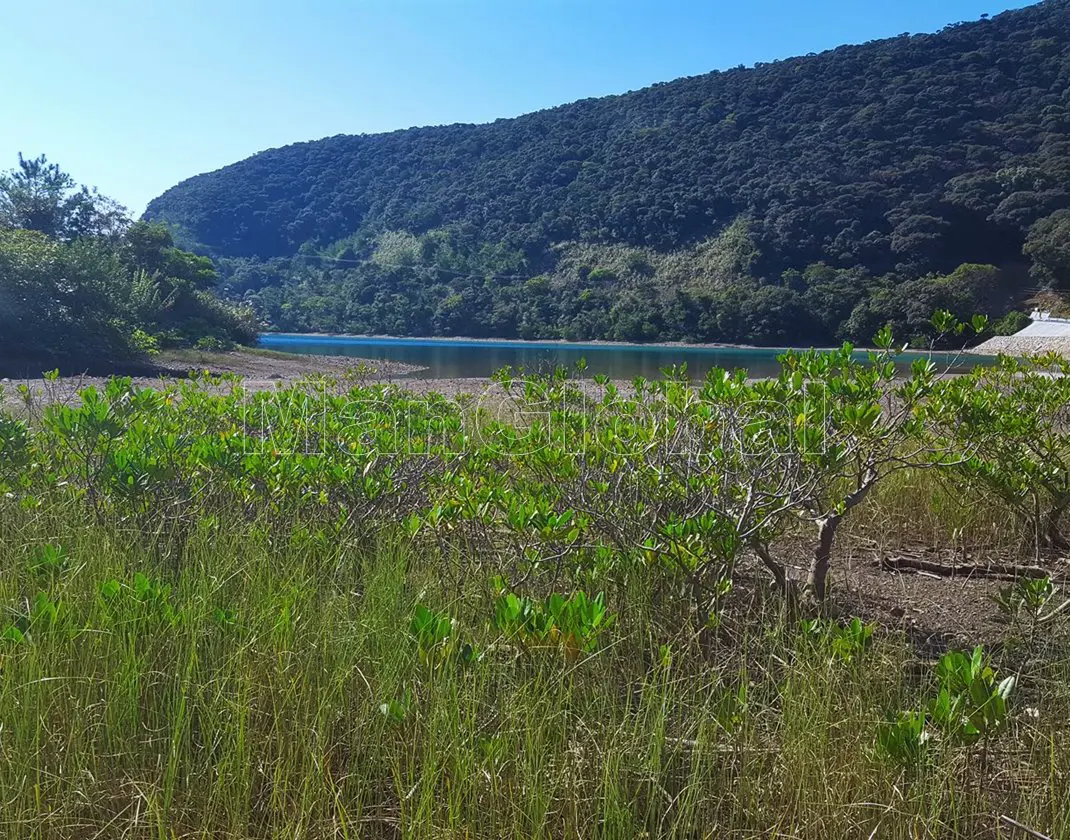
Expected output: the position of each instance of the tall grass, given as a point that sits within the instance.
(275, 691)
(923, 506)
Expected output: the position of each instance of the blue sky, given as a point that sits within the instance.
(134, 95)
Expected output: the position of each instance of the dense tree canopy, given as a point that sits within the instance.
(80, 284)
(787, 201)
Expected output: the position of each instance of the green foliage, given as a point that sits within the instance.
(1008, 422)
(396, 710)
(39, 196)
(1011, 323)
(1030, 595)
(839, 427)
(902, 738)
(59, 299)
(437, 641)
(1032, 602)
(172, 293)
(970, 704)
(212, 344)
(143, 599)
(521, 618)
(45, 613)
(271, 609)
(727, 206)
(48, 560)
(143, 343)
(847, 642)
(677, 477)
(14, 449)
(433, 632)
(78, 282)
(1048, 245)
(12, 635)
(574, 623)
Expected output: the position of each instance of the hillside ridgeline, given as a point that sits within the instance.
(811, 199)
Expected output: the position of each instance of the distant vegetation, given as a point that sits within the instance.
(811, 199)
(81, 283)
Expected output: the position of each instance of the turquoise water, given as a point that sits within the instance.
(444, 358)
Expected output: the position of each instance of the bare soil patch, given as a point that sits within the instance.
(260, 370)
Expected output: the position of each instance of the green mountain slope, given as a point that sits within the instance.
(797, 200)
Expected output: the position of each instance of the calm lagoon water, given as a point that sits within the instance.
(444, 358)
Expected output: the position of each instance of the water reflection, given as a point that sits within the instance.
(451, 358)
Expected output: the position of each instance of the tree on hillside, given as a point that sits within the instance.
(40, 196)
(149, 246)
(883, 165)
(1049, 247)
(80, 284)
(172, 290)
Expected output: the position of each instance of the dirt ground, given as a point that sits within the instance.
(936, 612)
(259, 369)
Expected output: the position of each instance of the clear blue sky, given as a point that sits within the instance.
(134, 95)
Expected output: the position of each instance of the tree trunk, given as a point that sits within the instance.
(816, 580)
(1053, 536)
(702, 615)
(780, 575)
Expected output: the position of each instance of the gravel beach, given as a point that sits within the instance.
(1014, 345)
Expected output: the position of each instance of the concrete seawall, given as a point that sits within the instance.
(1044, 335)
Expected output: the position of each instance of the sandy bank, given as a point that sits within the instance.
(260, 370)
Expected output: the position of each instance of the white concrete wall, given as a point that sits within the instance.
(1052, 327)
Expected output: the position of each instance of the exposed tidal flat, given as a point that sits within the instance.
(258, 369)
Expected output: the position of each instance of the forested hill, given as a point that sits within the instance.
(794, 200)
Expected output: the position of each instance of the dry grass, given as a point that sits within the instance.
(256, 713)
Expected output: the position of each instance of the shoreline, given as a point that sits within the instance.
(538, 342)
(275, 364)
(259, 369)
(264, 368)
(384, 339)
(248, 362)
